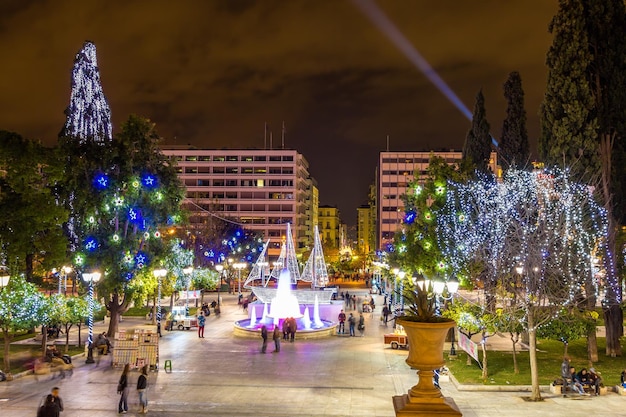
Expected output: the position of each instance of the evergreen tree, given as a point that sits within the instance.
(477, 147)
(514, 149)
(31, 220)
(88, 114)
(605, 25)
(583, 117)
(568, 123)
(124, 197)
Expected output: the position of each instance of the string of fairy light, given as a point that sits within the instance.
(539, 221)
(88, 114)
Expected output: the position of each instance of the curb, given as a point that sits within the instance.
(494, 388)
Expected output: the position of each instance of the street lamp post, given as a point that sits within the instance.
(220, 269)
(4, 280)
(159, 274)
(66, 270)
(239, 266)
(440, 288)
(90, 278)
(187, 271)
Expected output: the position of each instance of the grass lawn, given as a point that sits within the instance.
(550, 356)
(22, 356)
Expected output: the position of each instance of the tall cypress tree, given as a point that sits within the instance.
(514, 148)
(568, 123)
(477, 147)
(605, 25)
(583, 117)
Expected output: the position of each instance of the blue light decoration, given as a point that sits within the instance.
(101, 181)
(410, 216)
(149, 181)
(141, 260)
(128, 276)
(91, 244)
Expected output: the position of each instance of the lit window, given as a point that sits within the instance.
(260, 183)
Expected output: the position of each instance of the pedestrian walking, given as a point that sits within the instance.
(52, 404)
(122, 389)
(361, 325)
(385, 317)
(142, 389)
(264, 337)
(276, 337)
(342, 319)
(354, 302)
(351, 322)
(201, 321)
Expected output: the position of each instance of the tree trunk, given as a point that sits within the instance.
(613, 319)
(7, 345)
(68, 326)
(613, 316)
(172, 303)
(29, 267)
(592, 340)
(514, 339)
(565, 346)
(535, 394)
(80, 326)
(116, 308)
(485, 373)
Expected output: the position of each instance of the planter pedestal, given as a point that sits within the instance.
(426, 354)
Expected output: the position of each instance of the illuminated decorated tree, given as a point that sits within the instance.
(540, 234)
(22, 307)
(121, 196)
(88, 115)
(416, 247)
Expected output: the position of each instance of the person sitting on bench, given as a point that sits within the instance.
(102, 344)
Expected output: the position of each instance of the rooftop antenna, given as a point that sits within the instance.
(265, 136)
(283, 136)
(271, 141)
(387, 143)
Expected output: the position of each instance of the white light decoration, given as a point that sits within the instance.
(88, 114)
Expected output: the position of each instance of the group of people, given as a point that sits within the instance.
(349, 299)
(341, 329)
(123, 389)
(275, 337)
(577, 381)
(289, 329)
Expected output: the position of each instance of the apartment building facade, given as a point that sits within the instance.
(330, 226)
(394, 172)
(262, 189)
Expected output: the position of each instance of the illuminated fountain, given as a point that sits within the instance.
(285, 302)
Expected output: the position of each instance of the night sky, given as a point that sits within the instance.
(210, 73)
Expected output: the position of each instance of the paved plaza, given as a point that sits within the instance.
(225, 376)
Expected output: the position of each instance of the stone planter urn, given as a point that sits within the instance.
(425, 354)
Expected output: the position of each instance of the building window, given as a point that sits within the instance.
(232, 170)
(191, 158)
(260, 183)
(232, 158)
(219, 170)
(260, 158)
(203, 183)
(246, 159)
(191, 170)
(231, 183)
(288, 158)
(288, 170)
(219, 158)
(204, 158)
(275, 170)
(260, 170)
(275, 158)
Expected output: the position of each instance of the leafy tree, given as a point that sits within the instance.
(204, 279)
(514, 149)
(122, 195)
(477, 148)
(472, 319)
(22, 307)
(30, 225)
(416, 247)
(75, 311)
(567, 325)
(583, 120)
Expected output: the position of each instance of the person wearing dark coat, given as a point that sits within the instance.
(52, 405)
(264, 337)
(142, 386)
(122, 389)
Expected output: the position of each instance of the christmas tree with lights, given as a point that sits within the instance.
(88, 115)
(121, 192)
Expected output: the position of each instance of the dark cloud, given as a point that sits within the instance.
(211, 73)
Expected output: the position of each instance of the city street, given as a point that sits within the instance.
(226, 376)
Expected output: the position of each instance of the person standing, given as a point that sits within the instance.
(122, 389)
(52, 405)
(201, 321)
(385, 314)
(276, 337)
(361, 324)
(264, 337)
(342, 320)
(351, 322)
(142, 389)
